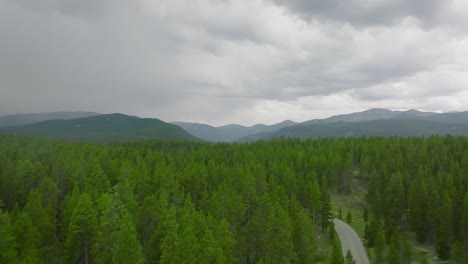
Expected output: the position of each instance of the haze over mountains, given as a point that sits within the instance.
(375, 122)
(229, 132)
(119, 127)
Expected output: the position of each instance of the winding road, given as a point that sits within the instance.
(350, 240)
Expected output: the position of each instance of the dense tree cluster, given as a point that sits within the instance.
(158, 202)
(418, 185)
(182, 202)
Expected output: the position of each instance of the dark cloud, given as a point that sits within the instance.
(231, 61)
(369, 13)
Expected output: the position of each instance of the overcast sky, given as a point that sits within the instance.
(239, 61)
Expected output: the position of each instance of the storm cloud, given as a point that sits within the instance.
(231, 61)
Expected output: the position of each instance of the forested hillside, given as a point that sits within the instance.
(263, 202)
(103, 128)
(25, 119)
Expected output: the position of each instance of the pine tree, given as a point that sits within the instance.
(170, 245)
(393, 257)
(418, 207)
(371, 232)
(337, 253)
(379, 246)
(406, 251)
(110, 210)
(325, 202)
(127, 247)
(8, 252)
(304, 243)
(27, 238)
(464, 222)
(43, 222)
(457, 254)
(443, 232)
(278, 236)
(81, 232)
(349, 217)
(349, 258)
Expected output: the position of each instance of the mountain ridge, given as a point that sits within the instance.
(103, 128)
(31, 118)
(393, 123)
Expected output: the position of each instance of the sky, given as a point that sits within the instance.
(233, 61)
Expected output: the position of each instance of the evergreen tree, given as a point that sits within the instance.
(278, 236)
(43, 222)
(81, 232)
(457, 254)
(8, 252)
(127, 247)
(337, 253)
(406, 251)
(170, 245)
(379, 246)
(464, 222)
(325, 202)
(27, 238)
(443, 232)
(304, 243)
(110, 210)
(349, 217)
(372, 231)
(393, 256)
(418, 206)
(349, 258)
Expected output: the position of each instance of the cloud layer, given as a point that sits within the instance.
(232, 61)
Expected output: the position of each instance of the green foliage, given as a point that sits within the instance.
(393, 256)
(181, 202)
(406, 250)
(127, 247)
(457, 253)
(337, 254)
(81, 232)
(349, 258)
(8, 252)
(349, 217)
(379, 246)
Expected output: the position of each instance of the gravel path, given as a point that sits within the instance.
(350, 240)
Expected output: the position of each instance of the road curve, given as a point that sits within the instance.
(350, 240)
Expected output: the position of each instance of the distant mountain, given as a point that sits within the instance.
(229, 133)
(368, 115)
(103, 128)
(25, 119)
(375, 122)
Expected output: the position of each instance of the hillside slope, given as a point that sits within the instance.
(26, 119)
(103, 128)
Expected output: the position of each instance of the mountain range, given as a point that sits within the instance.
(231, 132)
(119, 127)
(374, 122)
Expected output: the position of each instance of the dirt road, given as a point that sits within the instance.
(350, 240)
